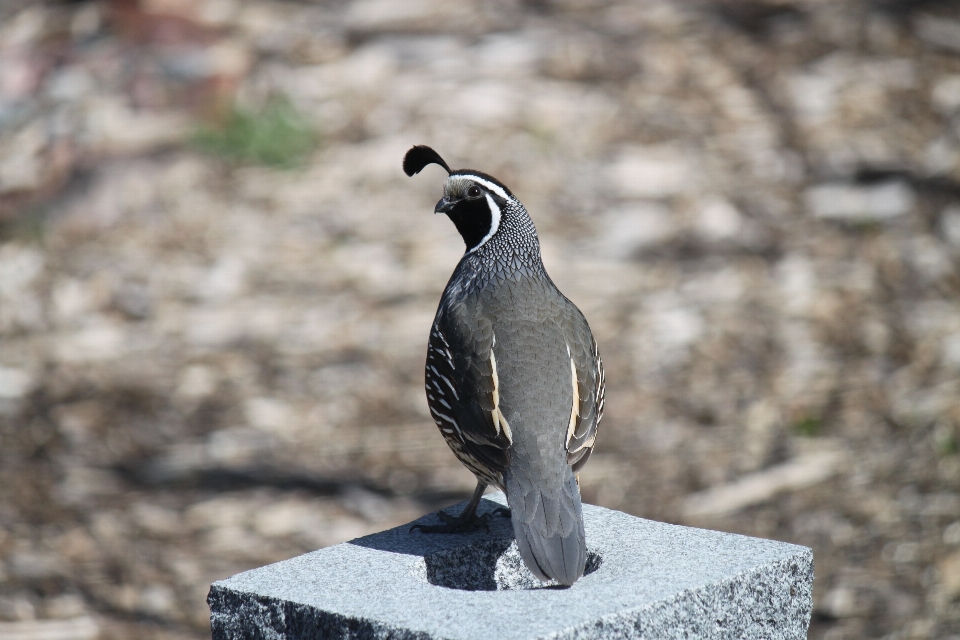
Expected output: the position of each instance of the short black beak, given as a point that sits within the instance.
(444, 206)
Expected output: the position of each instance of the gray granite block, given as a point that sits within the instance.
(644, 579)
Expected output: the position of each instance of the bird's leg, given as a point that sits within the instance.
(467, 521)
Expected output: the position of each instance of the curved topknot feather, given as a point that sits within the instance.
(420, 156)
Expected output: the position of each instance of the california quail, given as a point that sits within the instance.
(513, 377)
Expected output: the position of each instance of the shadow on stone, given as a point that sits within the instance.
(488, 565)
(476, 561)
(407, 541)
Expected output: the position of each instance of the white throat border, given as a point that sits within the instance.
(495, 215)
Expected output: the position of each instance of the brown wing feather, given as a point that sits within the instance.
(463, 400)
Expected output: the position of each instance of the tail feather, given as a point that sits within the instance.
(548, 525)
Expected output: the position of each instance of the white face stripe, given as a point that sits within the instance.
(497, 189)
(494, 222)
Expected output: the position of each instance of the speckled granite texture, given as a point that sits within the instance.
(644, 579)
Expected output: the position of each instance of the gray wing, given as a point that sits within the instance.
(462, 394)
(587, 368)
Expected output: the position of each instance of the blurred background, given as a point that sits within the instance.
(216, 283)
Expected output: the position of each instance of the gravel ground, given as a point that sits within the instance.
(209, 362)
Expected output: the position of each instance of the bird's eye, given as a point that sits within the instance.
(473, 192)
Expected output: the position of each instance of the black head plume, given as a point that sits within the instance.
(420, 156)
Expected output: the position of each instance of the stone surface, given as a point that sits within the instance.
(644, 579)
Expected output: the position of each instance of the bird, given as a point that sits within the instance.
(513, 377)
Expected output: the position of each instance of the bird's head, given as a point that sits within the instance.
(477, 203)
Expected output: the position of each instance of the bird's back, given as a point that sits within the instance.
(530, 321)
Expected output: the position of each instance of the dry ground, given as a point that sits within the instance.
(208, 363)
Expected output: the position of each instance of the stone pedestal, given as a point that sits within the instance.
(644, 579)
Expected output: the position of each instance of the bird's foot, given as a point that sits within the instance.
(464, 523)
(501, 511)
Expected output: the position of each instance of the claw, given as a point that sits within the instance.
(501, 511)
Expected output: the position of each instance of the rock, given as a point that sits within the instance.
(950, 225)
(134, 300)
(644, 579)
(213, 13)
(21, 167)
(489, 104)
(99, 342)
(24, 28)
(271, 415)
(371, 506)
(854, 203)
(70, 84)
(19, 77)
(516, 55)
(946, 94)
(223, 59)
(929, 258)
(755, 488)
(942, 156)
(14, 383)
(839, 602)
(578, 57)
(368, 16)
(213, 328)
(724, 285)
(71, 301)
(905, 552)
(674, 324)
(762, 434)
(82, 628)
(231, 449)
(223, 511)
(196, 382)
(825, 523)
(286, 518)
(309, 522)
(950, 576)
(113, 127)
(577, 118)
(16, 607)
(156, 520)
(651, 172)
(717, 220)
(64, 606)
(814, 96)
(944, 503)
(156, 599)
(86, 22)
(951, 534)
(81, 483)
(938, 31)
(34, 566)
(632, 228)
(218, 13)
(224, 280)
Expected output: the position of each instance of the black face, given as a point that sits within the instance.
(470, 214)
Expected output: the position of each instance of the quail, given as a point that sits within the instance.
(514, 380)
